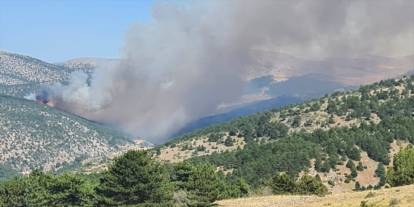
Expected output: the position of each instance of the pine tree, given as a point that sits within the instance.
(357, 186)
(311, 185)
(134, 178)
(380, 172)
(228, 142)
(70, 190)
(353, 169)
(354, 173)
(360, 167)
(282, 183)
(203, 184)
(402, 172)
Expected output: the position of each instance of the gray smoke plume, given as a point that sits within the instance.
(193, 56)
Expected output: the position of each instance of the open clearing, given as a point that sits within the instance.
(399, 196)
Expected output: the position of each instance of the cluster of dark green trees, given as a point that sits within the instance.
(282, 183)
(40, 189)
(134, 179)
(402, 172)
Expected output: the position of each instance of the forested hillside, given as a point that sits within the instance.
(346, 138)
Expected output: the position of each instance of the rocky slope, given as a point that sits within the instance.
(21, 75)
(34, 136)
(19, 69)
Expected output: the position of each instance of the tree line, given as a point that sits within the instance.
(134, 179)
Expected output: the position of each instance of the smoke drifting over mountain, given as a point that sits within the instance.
(190, 58)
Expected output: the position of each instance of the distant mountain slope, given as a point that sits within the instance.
(18, 69)
(36, 136)
(349, 71)
(89, 63)
(247, 109)
(306, 86)
(21, 75)
(292, 91)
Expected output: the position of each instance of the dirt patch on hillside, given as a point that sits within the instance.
(367, 176)
(395, 147)
(337, 177)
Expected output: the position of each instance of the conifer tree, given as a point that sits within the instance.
(134, 178)
(402, 172)
(283, 183)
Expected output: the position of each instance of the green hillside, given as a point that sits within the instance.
(330, 137)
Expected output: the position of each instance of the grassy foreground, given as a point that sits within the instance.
(392, 197)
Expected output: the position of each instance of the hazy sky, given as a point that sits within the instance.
(57, 30)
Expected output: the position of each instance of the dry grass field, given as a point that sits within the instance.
(392, 197)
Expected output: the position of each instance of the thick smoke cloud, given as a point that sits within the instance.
(193, 56)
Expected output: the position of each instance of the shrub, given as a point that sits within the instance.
(229, 142)
(360, 167)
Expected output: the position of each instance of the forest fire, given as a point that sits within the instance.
(43, 98)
